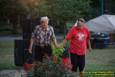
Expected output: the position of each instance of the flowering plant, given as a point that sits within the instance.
(52, 68)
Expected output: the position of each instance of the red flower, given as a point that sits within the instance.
(55, 58)
(67, 63)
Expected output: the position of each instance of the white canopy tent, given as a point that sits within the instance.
(104, 23)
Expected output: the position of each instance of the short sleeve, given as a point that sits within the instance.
(88, 34)
(53, 34)
(34, 32)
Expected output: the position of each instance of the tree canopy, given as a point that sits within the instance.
(59, 11)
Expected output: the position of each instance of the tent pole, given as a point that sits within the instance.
(102, 6)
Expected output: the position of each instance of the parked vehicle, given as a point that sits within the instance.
(100, 40)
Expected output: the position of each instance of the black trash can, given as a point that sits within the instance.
(19, 52)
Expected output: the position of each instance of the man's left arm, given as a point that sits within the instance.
(88, 41)
(54, 40)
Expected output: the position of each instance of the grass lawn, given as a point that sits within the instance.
(6, 55)
(99, 62)
(101, 59)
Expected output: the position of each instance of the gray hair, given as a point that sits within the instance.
(44, 18)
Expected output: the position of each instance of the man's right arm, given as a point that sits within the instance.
(67, 38)
(32, 39)
(31, 45)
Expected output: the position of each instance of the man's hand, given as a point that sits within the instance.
(30, 47)
(30, 50)
(61, 45)
(90, 49)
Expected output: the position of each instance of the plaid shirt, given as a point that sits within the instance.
(43, 37)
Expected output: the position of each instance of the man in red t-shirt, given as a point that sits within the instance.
(79, 38)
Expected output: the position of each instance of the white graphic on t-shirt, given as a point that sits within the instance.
(81, 36)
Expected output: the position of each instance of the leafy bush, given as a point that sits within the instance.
(52, 68)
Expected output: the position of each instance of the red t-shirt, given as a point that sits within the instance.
(78, 40)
